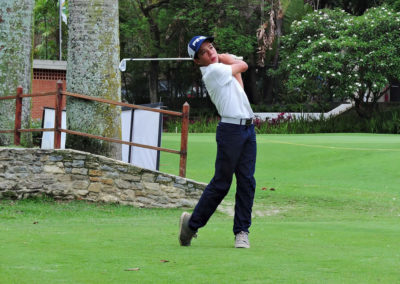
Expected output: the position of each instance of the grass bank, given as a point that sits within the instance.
(332, 218)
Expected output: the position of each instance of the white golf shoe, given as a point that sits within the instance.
(242, 240)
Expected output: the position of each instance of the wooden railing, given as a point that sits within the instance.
(58, 130)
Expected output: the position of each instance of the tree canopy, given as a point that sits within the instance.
(253, 29)
(333, 55)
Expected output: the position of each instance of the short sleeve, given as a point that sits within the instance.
(222, 73)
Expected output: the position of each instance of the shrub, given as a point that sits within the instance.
(385, 120)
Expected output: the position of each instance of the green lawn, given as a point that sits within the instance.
(333, 218)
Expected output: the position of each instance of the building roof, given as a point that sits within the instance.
(49, 64)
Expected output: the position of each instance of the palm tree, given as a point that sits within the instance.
(92, 69)
(16, 31)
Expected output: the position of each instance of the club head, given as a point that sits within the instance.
(122, 65)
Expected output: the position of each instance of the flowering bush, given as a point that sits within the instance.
(330, 54)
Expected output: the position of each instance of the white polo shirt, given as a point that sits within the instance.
(225, 91)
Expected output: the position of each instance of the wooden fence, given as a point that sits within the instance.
(57, 125)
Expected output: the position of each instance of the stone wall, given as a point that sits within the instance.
(70, 174)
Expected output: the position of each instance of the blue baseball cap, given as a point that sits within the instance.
(196, 42)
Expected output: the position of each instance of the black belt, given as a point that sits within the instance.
(239, 121)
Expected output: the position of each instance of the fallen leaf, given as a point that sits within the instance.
(132, 269)
(264, 188)
(272, 189)
(36, 222)
(164, 260)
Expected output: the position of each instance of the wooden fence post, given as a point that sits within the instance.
(18, 117)
(58, 116)
(184, 139)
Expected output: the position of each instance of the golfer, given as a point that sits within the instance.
(236, 142)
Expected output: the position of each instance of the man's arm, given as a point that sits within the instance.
(238, 66)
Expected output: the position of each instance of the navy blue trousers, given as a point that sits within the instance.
(236, 154)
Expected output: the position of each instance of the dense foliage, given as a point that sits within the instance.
(325, 56)
(331, 55)
(163, 28)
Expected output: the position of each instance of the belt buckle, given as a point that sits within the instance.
(248, 122)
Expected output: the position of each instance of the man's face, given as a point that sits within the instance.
(206, 55)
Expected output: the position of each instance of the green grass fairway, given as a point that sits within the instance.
(334, 217)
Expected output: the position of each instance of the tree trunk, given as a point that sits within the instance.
(251, 81)
(156, 39)
(16, 36)
(93, 58)
(153, 81)
(279, 22)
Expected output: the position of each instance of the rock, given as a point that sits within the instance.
(95, 173)
(55, 158)
(180, 180)
(129, 195)
(187, 203)
(112, 174)
(106, 168)
(82, 192)
(95, 187)
(121, 169)
(7, 185)
(163, 179)
(64, 178)
(129, 177)
(79, 171)
(78, 164)
(52, 169)
(108, 198)
(152, 186)
(21, 169)
(148, 177)
(122, 184)
(91, 165)
(80, 184)
(107, 181)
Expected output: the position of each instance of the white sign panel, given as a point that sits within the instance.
(145, 128)
(48, 122)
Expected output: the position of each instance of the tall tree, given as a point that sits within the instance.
(93, 58)
(147, 7)
(147, 19)
(46, 40)
(282, 13)
(16, 32)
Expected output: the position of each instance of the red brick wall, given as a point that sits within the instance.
(45, 81)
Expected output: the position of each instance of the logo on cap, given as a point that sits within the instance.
(197, 40)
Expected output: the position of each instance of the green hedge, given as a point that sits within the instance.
(385, 120)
